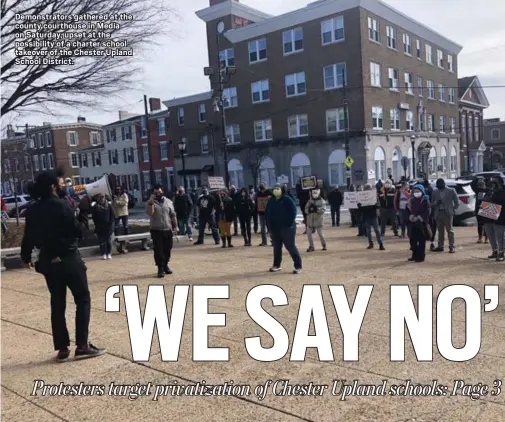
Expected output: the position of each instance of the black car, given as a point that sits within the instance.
(21, 209)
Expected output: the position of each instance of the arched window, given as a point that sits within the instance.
(380, 164)
(397, 164)
(266, 172)
(432, 161)
(454, 160)
(443, 158)
(236, 172)
(336, 167)
(300, 167)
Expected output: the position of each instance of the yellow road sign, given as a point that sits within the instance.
(349, 162)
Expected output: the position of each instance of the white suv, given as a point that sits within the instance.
(466, 197)
(10, 201)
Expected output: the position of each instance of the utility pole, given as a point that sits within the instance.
(29, 155)
(152, 177)
(346, 126)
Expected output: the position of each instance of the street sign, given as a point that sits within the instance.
(216, 182)
(348, 162)
(405, 162)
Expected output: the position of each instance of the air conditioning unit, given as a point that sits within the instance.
(404, 106)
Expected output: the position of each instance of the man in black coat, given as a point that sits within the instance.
(183, 206)
(335, 198)
(303, 198)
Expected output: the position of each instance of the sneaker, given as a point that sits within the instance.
(438, 249)
(274, 269)
(198, 243)
(262, 244)
(167, 270)
(89, 351)
(161, 273)
(382, 248)
(324, 248)
(104, 257)
(297, 271)
(500, 257)
(485, 240)
(63, 355)
(109, 256)
(370, 246)
(411, 259)
(217, 242)
(479, 240)
(190, 239)
(310, 249)
(493, 255)
(452, 250)
(432, 247)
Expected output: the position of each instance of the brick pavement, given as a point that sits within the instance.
(27, 355)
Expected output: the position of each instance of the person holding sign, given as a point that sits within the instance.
(206, 215)
(387, 195)
(369, 217)
(495, 211)
(262, 198)
(315, 209)
(420, 230)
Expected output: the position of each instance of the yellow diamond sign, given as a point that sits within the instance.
(349, 162)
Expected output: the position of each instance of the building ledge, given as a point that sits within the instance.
(234, 8)
(195, 98)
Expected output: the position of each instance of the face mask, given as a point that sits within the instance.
(277, 192)
(418, 194)
(62, 191)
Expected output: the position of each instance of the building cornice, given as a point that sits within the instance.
(77, 125)
(475, 84)
(234, 8)
(324, 8)
(203, 96)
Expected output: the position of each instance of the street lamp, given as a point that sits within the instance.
(491, 158)
(413, 143)
(182, 149)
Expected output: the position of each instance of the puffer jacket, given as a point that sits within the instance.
(315, 217)
(120, 204)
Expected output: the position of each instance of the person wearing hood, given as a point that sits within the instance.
(226, 216)
(245, 208)
(401, 200)
(419, 207)
(281, 222)
(444, 201)
(103, 218)
(262, 197)
(496, 230)
(206, 215)
(315, 210)
(335, 199)
(481, 190)
(369, 217)
(387, 207)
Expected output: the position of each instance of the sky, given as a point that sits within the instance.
(176, 67)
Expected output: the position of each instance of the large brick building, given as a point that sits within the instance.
(494, 139)
(285, 104)
(16, 169)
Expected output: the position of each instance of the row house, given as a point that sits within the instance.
(16, 170)
(472, 103)
(295, 72)
(494, 139)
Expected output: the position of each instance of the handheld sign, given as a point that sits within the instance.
(216, 182)
(261, 203)
(489, 210)
(308, 182)
(367, 198)
(351, 200)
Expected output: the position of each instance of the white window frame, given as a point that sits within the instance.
(409, 120)
(299, 84)
(69, 138)
(71, 155)
(391, 36)
(452, 125)
(227, 57)
(255, 45)
(266, 126)
(374, 30)
(164, 144)
(202, 113)
(335, 24)
(430, 85)
(229, 94)
(441, 93)
(375, 74)
(419, 50)
(420, 86)
(394, 117)
(452, 95)
(289, 38)
(180, 116)
(337, 115)
(431, 123)
(393, 81)
(429, 54)
(407, 44)
(162, 126)
(145, 153)
(335, 75)
(495, 130)
(48, 140)
(262, 88)
(43, 162)
(454, 160)
(450, 63)
(440, 59)
(36, 163)
(205, 150)
(442, 127)
(96, 141)
(41, 140)
(232, 133)
(377, 118)
(409, 83)
(298, 121)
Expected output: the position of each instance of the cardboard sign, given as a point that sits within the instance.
(262, 203)
(5, 216)
(489, 210)
(351, 200)
(309, 182)
(367, 197)
(216, 182)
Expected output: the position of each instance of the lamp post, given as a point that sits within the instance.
(182, 149)
(413, 143)
(490, 158)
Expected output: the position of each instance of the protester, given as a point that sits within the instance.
(387, 207)
(232, 194)
(444, 201)
(368, 215)
(103, 220)
(245, 209)
(262, 198)
(280, 219)
(335, 199)
(163, 224)
(303, 197)
(496, 231)
(120, 204)
(401, 200)
(183, 209)
(481, 190)
(353, 211)
(206, 215)
(51, 227)
(315, 210)
(420, 230)
(252, 196)
(226, 216)
(360, 222)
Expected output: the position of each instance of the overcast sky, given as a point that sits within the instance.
(176, 68)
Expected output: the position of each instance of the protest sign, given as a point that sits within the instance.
(367, 198)
(216, 182)
(309, 182)
(489, 210)
(262, 203)
(351, 200)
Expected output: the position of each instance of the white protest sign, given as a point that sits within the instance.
(367, 198)
(216, 182)
(351, 200)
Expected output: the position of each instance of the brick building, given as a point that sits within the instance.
(285, 104)
(16, 169)
(494, 139)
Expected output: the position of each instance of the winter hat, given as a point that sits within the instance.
(421, 188)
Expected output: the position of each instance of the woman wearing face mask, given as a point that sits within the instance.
(420, 231)
(226, 216)
(315, 209)
(401, 200)
(103, 219)
(280, 219)
(245, 209)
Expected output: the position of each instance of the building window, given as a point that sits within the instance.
(143, 128)
(145, 153)
(452, 122)
(32, 142)
(260, 91)
(375, 74)
(298, 126)
(41, 140)
(201, 113)
(431, 123)
(204, 142)
(394, 115)
(409, 83)
(380, 164)
(377, 117)
(83, 160)
(495, 134)
(409, 120)
(373, 30)
(180, 116)
(431, 89)
(147, 180)
(72, 139)
(476, 126)
(335, 120)
(334, 76)
(407, 44)
(163, 150)
(452, 93)
(233, 134)
(227, 57)
(48, 139)
(432, 161)
(440, 58)
(263, 130)
(393, 78)
(391, 37)
(111, 135)
(113, 156)
(332, 30)
(230, 97)
(454, 158)
(441, 92)
(36, 162)
(420, 86)
(131, 155)
(429, 54)
(295, 84)
(292, 40)
(158, 177)
(162, 128)
(50, 160)
(74, 163)
(257, 50)
(43, 162)
(418, 49)
(450, 63)
(95, 138)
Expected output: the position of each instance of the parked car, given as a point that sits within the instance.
(466, 197)
(486, 174)
(10, 201)
(21, 209)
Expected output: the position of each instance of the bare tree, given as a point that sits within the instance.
(64, 67)
(254, 157)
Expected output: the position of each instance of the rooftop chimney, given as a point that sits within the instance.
(81, 119)
(10, 131)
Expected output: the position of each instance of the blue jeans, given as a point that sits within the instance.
(185, 226)
(373, 223)
(105, 245)
(203, 220)
(286, 237)
(263, 228)
(404, 222)
(124, 220)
